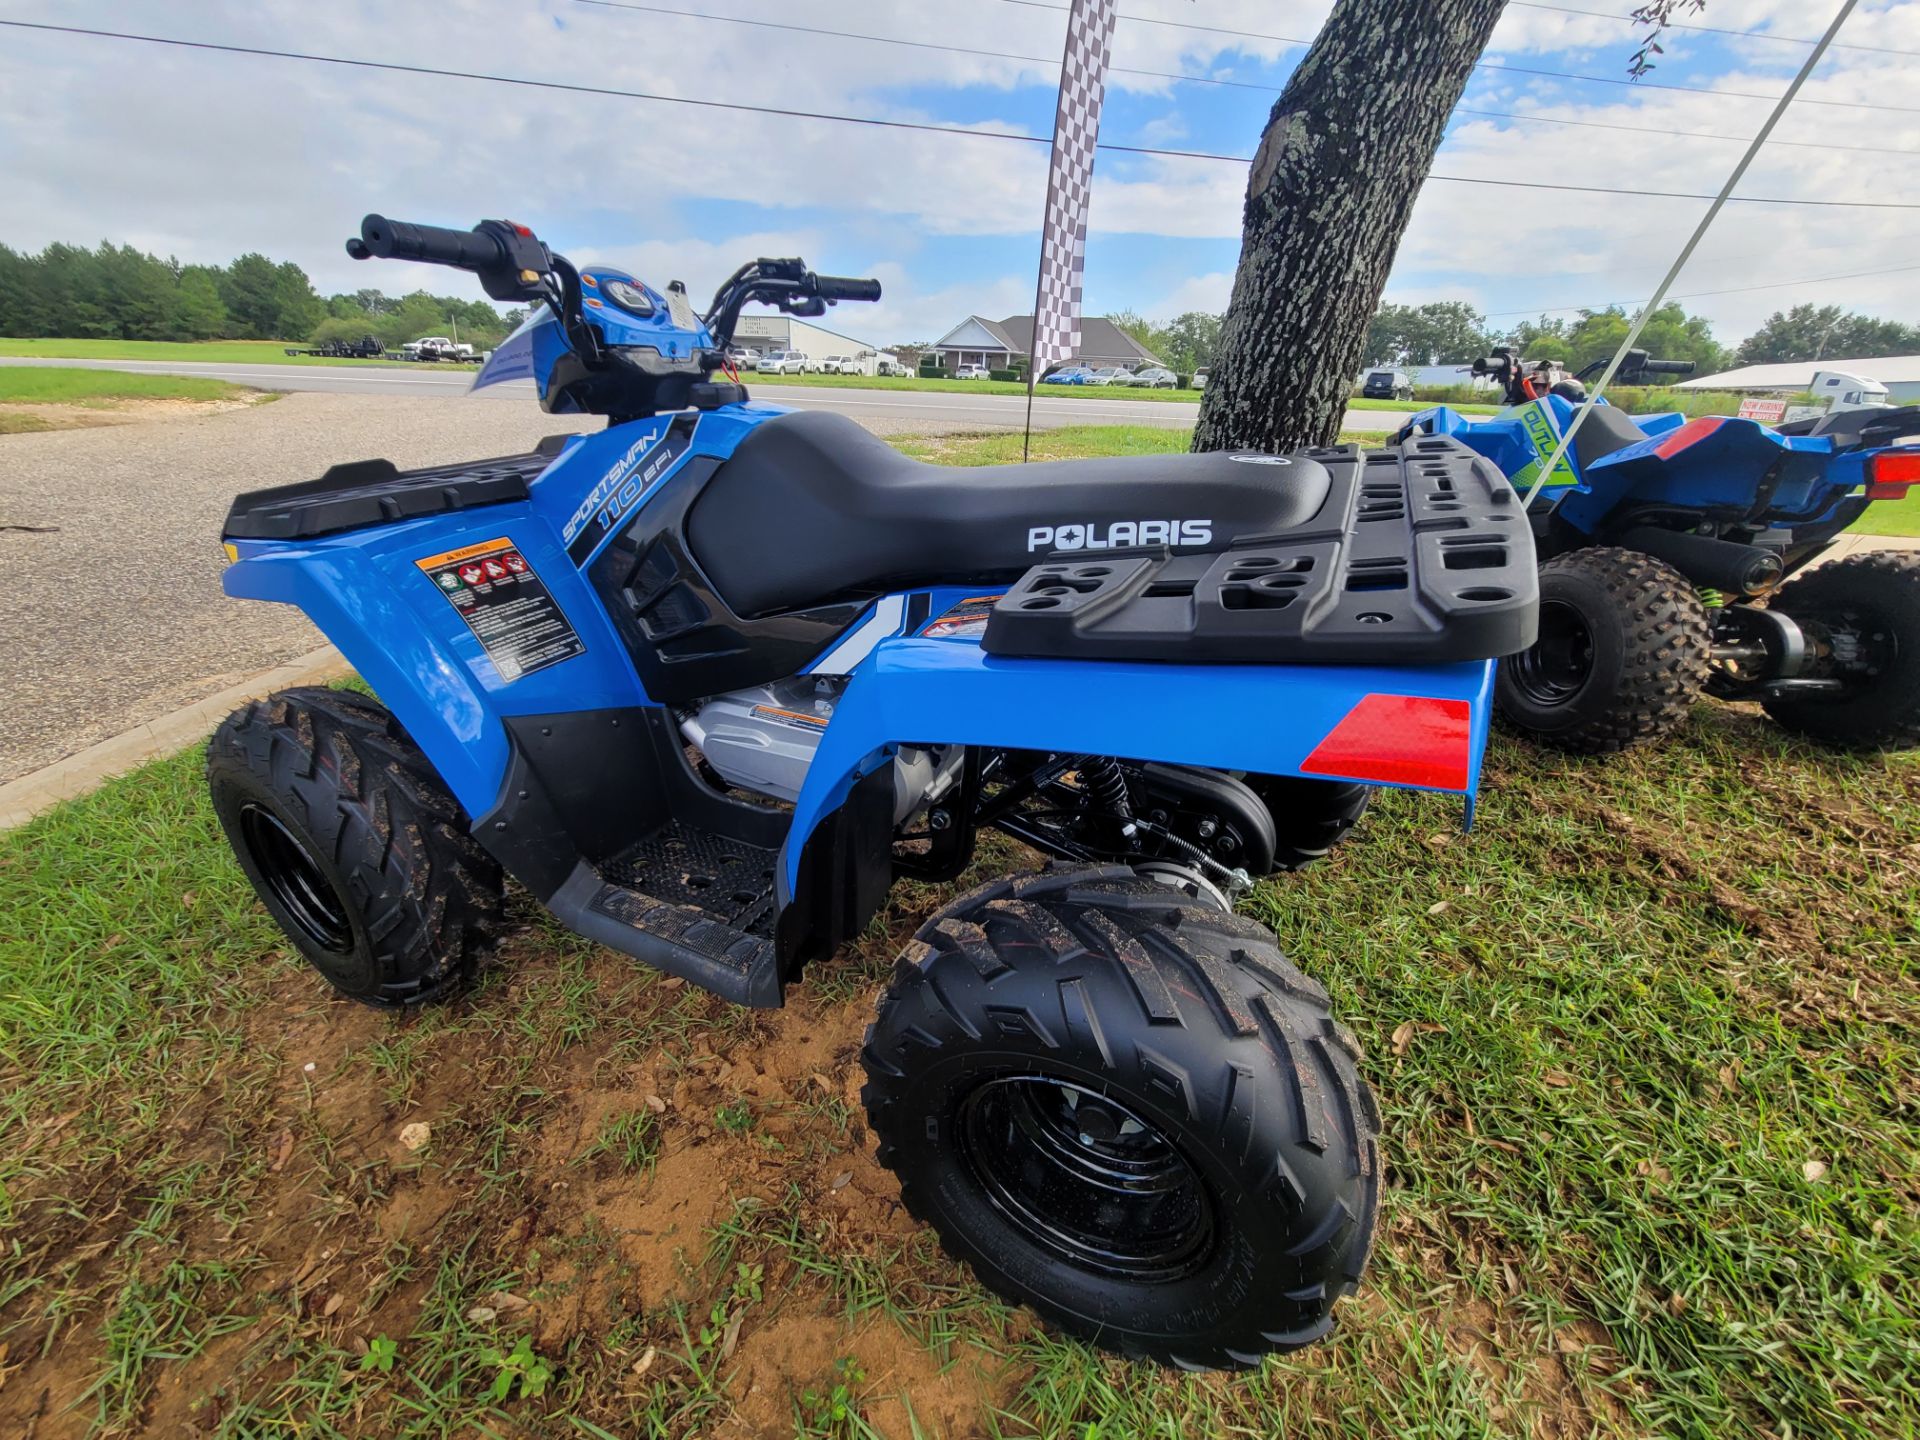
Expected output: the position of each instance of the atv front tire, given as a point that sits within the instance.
(1866, 611)
(354, 845)
(1624, 649)
(1122, 1106)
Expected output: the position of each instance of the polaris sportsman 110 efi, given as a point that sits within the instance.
(708, 681)
(1675, 559)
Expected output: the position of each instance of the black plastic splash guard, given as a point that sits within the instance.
(1420, 555)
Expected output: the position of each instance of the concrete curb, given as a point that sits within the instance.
(22, 799)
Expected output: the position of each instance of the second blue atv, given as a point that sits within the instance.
(708, 681)
(1674, 561)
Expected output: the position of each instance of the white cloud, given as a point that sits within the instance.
(207, 155)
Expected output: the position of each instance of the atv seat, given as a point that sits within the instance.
(1604, 431)
(812, 507)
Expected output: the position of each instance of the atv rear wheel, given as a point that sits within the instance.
(1310, 817)
(1121, 1105)
(1863, 614)
(1624, 649)
(354, 845)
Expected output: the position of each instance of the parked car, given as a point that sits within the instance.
(743, 356)
(1109, 375)
(971, 372)
(1200, 378)
(838, 365)
(436, 347)
(782, 362)
(1154, 377)
(888, 363)
(1387, 385)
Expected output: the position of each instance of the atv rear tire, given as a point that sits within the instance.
(354, 845)
(1624, 650)
(1122, 1106)
(1310, 817)
(1873, 602)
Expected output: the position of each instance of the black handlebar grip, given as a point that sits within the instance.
(1668, 367)
(435, 245)
(836, 287)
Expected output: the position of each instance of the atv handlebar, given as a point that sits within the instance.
(509, 259)
(836, 287)
(1667, 367)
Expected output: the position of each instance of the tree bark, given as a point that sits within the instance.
(1329, 195)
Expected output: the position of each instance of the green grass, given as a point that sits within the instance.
(1069, 442)
(1644, 1044)
(209, 352)
(1891, 517)
(48, 385)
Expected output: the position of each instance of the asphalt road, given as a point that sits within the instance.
(110, 545)
(902, 407)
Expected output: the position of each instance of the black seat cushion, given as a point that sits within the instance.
(811, 507)
(1604, 431)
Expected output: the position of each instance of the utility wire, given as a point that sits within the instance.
(395, 67)
(1708, 29)
(1676, 134)
(1042, 60)
(1701, 294)
(1496, 64)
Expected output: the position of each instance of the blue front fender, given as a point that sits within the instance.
(1272, 719)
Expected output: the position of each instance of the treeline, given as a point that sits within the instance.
(119, 293)
(1452, 333)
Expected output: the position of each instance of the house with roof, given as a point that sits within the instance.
(997, 344)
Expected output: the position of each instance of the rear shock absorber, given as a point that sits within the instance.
(1107, 784)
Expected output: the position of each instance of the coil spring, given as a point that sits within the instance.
(1102, 776)
(1711, 598)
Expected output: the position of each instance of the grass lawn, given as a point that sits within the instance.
(46, 398)
(1644, 1044)
(37, 385)
(208, 352)
(1891, 517)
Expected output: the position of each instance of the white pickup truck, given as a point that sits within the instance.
(436, 347)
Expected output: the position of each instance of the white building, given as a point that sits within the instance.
(783, 332)
(1899, 373)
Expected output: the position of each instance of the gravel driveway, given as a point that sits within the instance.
(112, 612)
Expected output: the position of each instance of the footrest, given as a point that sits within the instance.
(688, 902)
(1420, 555)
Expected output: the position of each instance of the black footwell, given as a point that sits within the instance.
(725, 879)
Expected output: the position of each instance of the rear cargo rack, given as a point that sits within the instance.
(1419, 555)
(376, 492)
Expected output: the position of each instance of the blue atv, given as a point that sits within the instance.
(1673, 554)
(709, 680)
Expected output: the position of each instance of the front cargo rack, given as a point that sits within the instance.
(376, 492)
(1419, 555)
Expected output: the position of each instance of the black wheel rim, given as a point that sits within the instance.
(1086, 1179)
(299, 889)
(1557, 666)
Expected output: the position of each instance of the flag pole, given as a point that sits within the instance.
(1063, 222)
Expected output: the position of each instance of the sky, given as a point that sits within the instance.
(205, 155)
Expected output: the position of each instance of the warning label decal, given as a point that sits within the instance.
(963, 620)
(506, 606)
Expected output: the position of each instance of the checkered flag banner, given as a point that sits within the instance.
(1076, 129)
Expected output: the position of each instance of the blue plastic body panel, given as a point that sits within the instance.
(1724, 467)
(1265, 718)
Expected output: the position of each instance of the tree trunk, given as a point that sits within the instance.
(1329, 195)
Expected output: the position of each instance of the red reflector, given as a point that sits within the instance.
(1688, 433)
(1891, 472)
(1400, 740)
